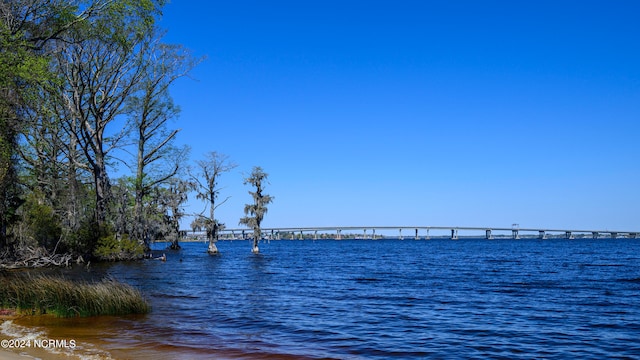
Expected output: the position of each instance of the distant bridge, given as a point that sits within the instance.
(416, 232)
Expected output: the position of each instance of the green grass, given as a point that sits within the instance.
(39, 295)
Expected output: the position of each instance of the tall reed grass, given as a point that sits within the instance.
(65, 298)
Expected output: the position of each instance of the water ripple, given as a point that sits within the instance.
(467, 299)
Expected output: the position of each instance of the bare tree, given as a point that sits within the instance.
(102, 66)
(254, 213)
(210, 169)
(157, 160)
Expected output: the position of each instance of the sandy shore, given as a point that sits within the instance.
(6, 355)
(24, 354)
(31, 354)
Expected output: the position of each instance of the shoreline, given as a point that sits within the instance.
(25, 354)
(6, 354)
(22, 353)
(28, 336)
(92, 347)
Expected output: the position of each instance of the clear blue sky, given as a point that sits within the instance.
(466, 113)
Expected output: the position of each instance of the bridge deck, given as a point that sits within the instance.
(488, 231)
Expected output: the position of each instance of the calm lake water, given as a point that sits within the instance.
(382, 299)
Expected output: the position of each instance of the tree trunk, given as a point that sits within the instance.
(140, 223)
(74, 188)
(139, 226)
(176, 229)
(175, 245)
(213, 237)
(256, 237)
(213, 232)
(102, 198)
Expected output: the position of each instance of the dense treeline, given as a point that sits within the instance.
(84, 86)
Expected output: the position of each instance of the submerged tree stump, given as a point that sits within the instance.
(213, 249)
(174, 245)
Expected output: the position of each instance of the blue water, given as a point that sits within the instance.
(365, 299)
